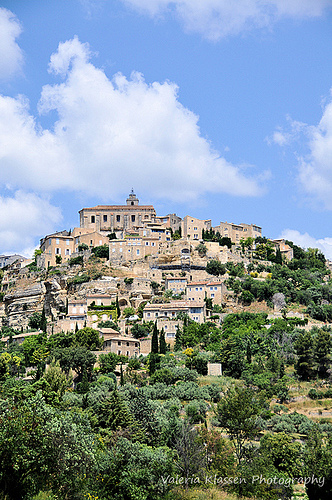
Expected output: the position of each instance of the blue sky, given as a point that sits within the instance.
(219, 109)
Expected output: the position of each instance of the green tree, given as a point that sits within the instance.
(89, 338)
(201, 249)
(57, 378)
(162, 342)
(304, 350)
(101, 251)
(35, 321)
(107, 362)
(322, 349)
(237, 413)
(215, 267)
(128, 311)
(118, 310)
(318, 465)
(154, 341)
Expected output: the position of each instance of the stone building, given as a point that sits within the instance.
(132, 248)
(237, 231)
(285, 249)
(127, 346)
(198, 291)
(113, 218)
(195, 310)
(57, 246)
(192, 227)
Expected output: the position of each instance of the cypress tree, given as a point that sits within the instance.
(118, 311)
(154, 342)
(178, 342)
(121, 376)
(84, 387)
(322, 349)
(304, 350)
(162, 342)
(43, 321)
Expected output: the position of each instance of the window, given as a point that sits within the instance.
(119, 353)
(133, 218)
(137, 251)
(118, 218)
(119, 343)
(67, 251)
(136, 344)
(67, 242)
(127, 344)
(93, 219)
(215, 288)
(212, 295)
(57, 241)
(57, 251)
(128, 354)
(105, 218)
(200, 288)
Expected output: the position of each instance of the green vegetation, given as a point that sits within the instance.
(125, 429)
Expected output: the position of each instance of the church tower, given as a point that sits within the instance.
(132, 199)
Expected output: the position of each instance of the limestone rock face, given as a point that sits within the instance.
(21, 303)
(54, 298)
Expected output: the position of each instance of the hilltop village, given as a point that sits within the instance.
(159, 358)
(129, 256)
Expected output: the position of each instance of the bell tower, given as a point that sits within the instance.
(132, 199)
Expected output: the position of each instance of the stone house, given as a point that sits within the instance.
(127, 346)
(195, 310)
(59, 244)
(132, 248)
(192, 227)
(199, 290)
(285, 250)
(237, 231)
(176, 283)
(100, 307)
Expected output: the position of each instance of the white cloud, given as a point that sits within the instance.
(215, 19)
(11, 56)
(307, 241)
(315, 170)
(111, 135)
(315, 156)
(25, 217)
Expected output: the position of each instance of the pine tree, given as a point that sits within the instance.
(162, 342)
(154, 341)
